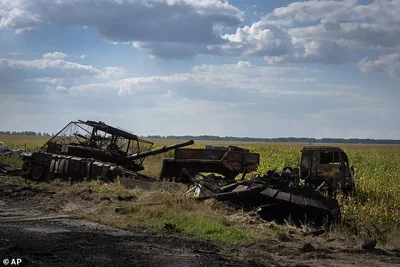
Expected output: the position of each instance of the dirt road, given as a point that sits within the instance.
(70, 242)
(36, 227)
(44, 239)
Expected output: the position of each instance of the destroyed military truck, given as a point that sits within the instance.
(227, 161)
(326, 164)
(323, 167)
(297, 193)
(91, 150)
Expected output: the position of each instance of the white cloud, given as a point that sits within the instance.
(155, 25)
(229, 83)
(341, 86)
(308, 31)
(82, 56)
(51, 73)
(54, 55)
(389, 64)
(48, 62)
(373, 25)
(61, 88)
(311, 11)
(260, 39)
(317, 31)
(278, 99)
(112, 72)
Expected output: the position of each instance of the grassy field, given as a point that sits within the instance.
(375, 202)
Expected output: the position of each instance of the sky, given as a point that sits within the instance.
(255, 68)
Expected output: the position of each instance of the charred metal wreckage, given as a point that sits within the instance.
(91, 150)
(298, 193)
(95, 150)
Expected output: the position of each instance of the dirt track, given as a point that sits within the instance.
(35, 226)
(35, 229)
(68, 242)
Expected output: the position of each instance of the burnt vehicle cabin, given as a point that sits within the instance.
(327, 164)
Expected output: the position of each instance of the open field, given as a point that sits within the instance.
(374, 204)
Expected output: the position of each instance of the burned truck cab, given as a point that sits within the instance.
(326, 164)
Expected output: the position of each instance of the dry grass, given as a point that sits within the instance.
(24, 141)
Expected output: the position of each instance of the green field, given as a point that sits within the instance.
(375, 202)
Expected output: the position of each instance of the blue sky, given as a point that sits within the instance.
(177, 67)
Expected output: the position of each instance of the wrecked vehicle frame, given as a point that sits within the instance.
(91, 150)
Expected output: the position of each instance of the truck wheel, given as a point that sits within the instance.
(38, 172)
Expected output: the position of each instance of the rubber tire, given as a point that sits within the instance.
(38, 172)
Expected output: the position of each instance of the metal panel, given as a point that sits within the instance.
(74, 167)
(104, 171)
(52, 165)
(296, 199)
(88, 169)
(283, 196)
(316, 204)
(240, 188)
(60, 169)
(66, 165)
(252, 158)
(270, 192)
(199, 154)
(56, 165)
(83, 169)
(96, 170)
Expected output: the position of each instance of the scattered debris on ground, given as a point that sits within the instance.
(6, 151)
(368, 243)
(8, 169)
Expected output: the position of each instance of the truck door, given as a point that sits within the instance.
(306, 163)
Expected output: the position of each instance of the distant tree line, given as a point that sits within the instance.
(279, 139)
(25, 133)
(244, 139)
